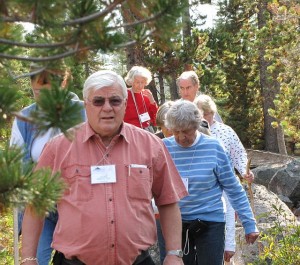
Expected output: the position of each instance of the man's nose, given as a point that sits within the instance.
(106, 105)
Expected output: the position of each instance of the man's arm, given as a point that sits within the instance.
(170, 219)
(31, 229)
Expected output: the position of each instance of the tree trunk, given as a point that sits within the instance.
(186, 34)
(281, 141)
(152, 88)
(173, 87)
(134, 53)
(161, 89)
(267, 87)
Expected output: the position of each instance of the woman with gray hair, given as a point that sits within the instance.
(141, 107)
(206, 172)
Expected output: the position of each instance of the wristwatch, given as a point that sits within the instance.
(178, 253)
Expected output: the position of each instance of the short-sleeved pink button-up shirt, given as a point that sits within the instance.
(110, 223)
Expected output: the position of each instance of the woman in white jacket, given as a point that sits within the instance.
(238, 156)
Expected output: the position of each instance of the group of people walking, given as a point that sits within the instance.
(116, 166)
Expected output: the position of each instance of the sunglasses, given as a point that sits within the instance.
(100, 101)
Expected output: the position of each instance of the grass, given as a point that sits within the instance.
(6, 238)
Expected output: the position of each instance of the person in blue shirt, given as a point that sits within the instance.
(207, 172)
(25, 135)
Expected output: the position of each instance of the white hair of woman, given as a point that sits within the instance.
(183, 115)
(103, 78)
(206, 104)
(138, 71)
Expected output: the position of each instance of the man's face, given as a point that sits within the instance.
(187, 90)
(105, 109)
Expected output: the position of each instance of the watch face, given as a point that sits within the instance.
(178, 253)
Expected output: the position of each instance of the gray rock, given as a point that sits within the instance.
(282, 179)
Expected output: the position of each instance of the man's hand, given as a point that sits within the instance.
(228, 255)
(250, 238)
(172, 260)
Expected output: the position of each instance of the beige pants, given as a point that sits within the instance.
(229, 263)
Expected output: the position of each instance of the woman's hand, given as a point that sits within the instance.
(249, 177)
(228, 255)
(148, 94)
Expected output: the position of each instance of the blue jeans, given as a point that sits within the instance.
(161, 242)
(208, 248)
(44, 249)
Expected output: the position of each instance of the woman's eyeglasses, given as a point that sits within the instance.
(100, 101)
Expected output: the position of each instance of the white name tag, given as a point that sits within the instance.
(144, 117)
(186, 183)
(103, 174)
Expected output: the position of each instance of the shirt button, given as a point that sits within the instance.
(112, 245)
(110, 199)
(112, 221)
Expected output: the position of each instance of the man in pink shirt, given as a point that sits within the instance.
(112, 170)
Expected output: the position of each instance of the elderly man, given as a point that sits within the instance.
(105, 214)
(188, 86)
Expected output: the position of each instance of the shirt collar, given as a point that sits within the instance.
(89, 132)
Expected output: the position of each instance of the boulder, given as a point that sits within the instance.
(281, 178)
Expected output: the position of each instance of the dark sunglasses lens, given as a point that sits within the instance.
(98, 102)
(115, 102)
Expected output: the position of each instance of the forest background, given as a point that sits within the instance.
(248, 62)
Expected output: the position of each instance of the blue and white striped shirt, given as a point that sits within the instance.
(209, 172)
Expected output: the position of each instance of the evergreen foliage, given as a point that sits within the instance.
(20, 186)
(76, 32)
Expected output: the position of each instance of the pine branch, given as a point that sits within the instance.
(142, 21)
(86, 19)
(56, 110)
(82, 20)
(36, 45)
(43, 59)
(20, 186)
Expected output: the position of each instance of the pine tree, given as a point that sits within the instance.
(62, 30)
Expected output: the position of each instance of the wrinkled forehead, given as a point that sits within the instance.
(106, 91)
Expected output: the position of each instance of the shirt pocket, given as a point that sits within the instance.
(139, 183)
(79, 180)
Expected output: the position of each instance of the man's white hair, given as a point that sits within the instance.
(103, 78)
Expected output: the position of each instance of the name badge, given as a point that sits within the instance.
(103, 174)
(144, 117)
(186, 183)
